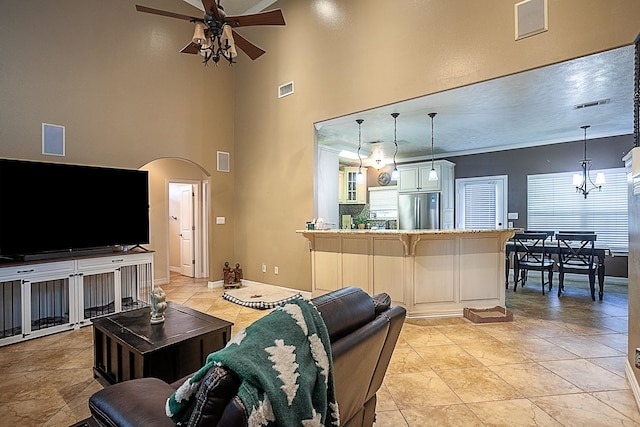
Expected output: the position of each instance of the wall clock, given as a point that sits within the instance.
(384, 178)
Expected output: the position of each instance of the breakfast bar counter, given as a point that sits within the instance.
(432, 273)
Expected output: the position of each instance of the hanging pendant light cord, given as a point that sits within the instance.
(359, 121)
(432, 115)
(395, 139)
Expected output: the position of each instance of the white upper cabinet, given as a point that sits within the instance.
(354, 191)
(415, 177)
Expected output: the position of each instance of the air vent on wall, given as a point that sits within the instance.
(531, 18)
(52, 139)
(285, 89)
(592, 103)
(223, 161)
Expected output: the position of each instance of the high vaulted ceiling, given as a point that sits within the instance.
(537, 107)
(542, 106)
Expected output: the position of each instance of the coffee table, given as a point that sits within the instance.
(127, 346)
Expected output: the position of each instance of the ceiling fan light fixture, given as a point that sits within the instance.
(228, 44)
(198, 34)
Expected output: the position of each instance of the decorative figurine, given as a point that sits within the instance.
(238, 273)
(232, 276)
(227, 274)
(158, 305)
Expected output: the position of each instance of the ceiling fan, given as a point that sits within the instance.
(214, 37)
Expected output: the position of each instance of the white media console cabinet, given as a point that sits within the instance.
(43, 297)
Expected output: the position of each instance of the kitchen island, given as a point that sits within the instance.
(432, 273)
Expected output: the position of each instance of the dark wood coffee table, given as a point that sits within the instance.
(127, 346)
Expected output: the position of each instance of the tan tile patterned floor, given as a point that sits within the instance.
(559, 363)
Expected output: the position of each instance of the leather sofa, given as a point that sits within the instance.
(363, 331)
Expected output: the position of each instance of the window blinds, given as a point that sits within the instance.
(554, 204)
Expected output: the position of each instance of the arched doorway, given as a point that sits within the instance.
(171, 178)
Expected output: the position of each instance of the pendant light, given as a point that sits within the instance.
(433, 175)
(580, 180)
(360, 176)
(395, 174)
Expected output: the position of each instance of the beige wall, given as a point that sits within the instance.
(373, 53)
(115, 79)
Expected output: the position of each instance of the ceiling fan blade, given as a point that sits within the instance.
(146, 9)
(211, 8)
(247, 47)
(190, 48)
(272, 17)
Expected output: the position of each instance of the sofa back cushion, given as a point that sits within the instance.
(345, 310)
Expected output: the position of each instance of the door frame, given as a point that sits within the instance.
(200, 221)
(502, 198)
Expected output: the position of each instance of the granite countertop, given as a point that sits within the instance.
(408, 232)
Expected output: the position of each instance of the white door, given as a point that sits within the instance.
(187, 260)
(481, 203)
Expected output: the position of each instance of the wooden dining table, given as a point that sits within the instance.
(600, 253)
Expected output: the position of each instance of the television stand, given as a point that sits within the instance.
(65, 254)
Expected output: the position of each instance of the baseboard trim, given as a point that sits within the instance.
(305, 294)
(159, 282)
(635, 388)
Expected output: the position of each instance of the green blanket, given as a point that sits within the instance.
(286, 370)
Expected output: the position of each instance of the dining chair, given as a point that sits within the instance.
(576, 254)
(531, 254)
(549, 233)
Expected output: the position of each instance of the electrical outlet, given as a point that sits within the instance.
(264, 268)
(637, 358)
(275, 269)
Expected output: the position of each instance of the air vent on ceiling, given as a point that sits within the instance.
(285, 89)
(593, 103)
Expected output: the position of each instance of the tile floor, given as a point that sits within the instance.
(559, 363)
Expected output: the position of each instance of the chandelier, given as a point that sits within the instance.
(214, 42)
(580, 180)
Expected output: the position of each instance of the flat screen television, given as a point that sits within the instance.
(54, 208)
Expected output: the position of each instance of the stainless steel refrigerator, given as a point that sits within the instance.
(419, 211)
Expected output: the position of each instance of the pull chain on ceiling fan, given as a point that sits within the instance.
(214, 36)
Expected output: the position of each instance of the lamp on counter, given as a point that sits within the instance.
(580, 180)
(360, 176)
(395, 174)
(433, 174)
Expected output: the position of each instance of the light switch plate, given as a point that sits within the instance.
(220, 220)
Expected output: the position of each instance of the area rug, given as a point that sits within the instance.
(261, 297)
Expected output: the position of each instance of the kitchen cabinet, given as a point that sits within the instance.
(41, 298)
(354, 191)
(415, 177)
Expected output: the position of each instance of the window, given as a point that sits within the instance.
(553, 204)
